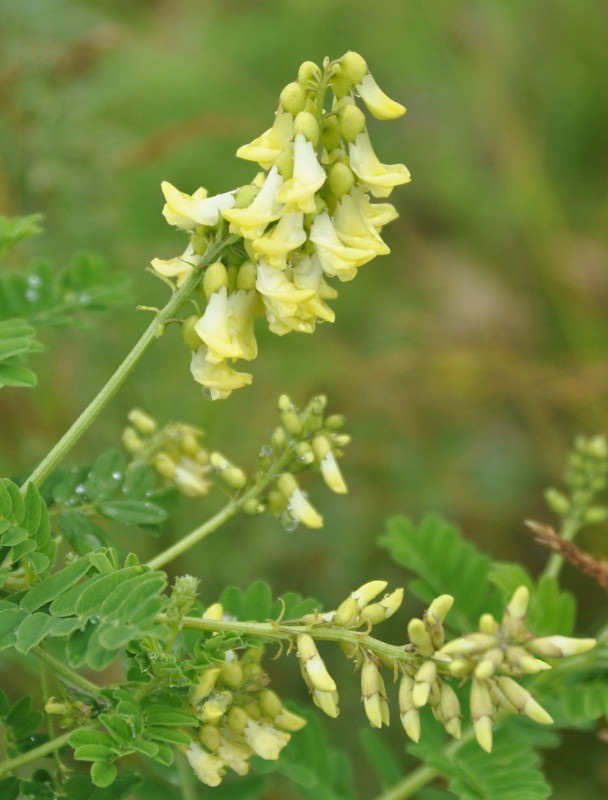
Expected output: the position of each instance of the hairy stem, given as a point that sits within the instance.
(218, 519)
(45, 749)
(67, 674)
(152, 332)
(285, 632)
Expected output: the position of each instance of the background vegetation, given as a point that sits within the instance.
(466, 360)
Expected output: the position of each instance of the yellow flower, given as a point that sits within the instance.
(218, 380)
(353, 227)
(265, 740)
(337, 259)
(287, 235)
(187, 211)
(179, 267)
(208, 768)
(308, 177)
(378, 103)
(271, 143)
(251, 222)
(377, 177)
(226, 327)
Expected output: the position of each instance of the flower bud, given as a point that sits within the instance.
(284, 162)
(469, 644)
(253, 507)
(347, 613)
(557, 501)
(331, 138)
(313, 413)
(595, 515)
(373, 694)
(435, 616)
(425, 678)
(304, 453)
(559, 646)
(419, 637)
(383, 609)
(341, 179)
(245, 196)
(210, 737)
(488, 665)
(449, 707)
(312, 665)
(523, 700)
(309, 73)
(270, 703)
(215, 277)
(354, 67)
(482, 714)
(328, 465)
(306, 124)
(516, 611)
(232, 673)
(409, 714)
(461, 667)
(339, 83)
(293, 98)
(335, 422)
(289, 416)
(164, 465)
(234, 477)
(288, 721)
(237, 719)
(131, 441)
(142, 422)
(277, 502)
(246, 276)
(189, 334)
(523, 662)
(488, 625)
(351, 121)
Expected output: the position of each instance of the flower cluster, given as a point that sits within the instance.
(239, 716)
(306, 218)
(174, 451)
(491, 658)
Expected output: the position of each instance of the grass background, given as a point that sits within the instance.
(466, 360)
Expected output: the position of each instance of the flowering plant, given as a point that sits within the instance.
(192, 701)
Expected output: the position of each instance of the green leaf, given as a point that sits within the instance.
(32, 631)
(51, 587)
(15, 229)
(106, 476)
(103, 774)
(258, 601)
(551, 610)
(381, 757)
(132, 512)
(17, 375)
(93, 752)
(10, 619)
(172, 735)
(444, 562)
(82, 533)
(79, 787)
(169, 716)
(87, 736)
(23, 721)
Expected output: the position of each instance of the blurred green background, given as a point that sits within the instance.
(466, 360)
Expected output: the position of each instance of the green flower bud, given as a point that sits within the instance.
(234, 477)
(284, 163)
(277, 502)
(270, 703)
(354, 66)
(409, 714)
(206, 682)
(237, 719)
(278, 439)
(331, 138)
(425, 678)
(164, 465)
(232, 673)
(131, 441)
(306, 124)
(142, 422)
(189, 334)
(523, 700)
(341, 179)
(347, 612)
(449, 707)
(482, 714)
(559, 646)
(557, 501)
(289, 416)
(313, 414)
(339, 83)
(215, 278)
(335, 422)
(304, 453)
(595, 514)
(293, 98)
(253, 507)
(309, 73)
(232, 272)
(373, 694)
(598, 448)
(245, 195)
(351, 121)
(210, 737)
(419, 637)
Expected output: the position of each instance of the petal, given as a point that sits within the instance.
(378, 103)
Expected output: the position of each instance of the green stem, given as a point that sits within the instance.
(280, 632)
(66, 673)
(152, 332)
(422, 775)
(50, 728)
(45, 749)
(186, 776)
(568, 531)
(223, 515)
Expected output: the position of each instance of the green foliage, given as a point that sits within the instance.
(15, 229)
(20, 724)
(25, 534)
(16, 340)
(511, 771)
(256, 603)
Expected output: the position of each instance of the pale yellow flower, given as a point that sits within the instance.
(265, 740)
(179, 267)
(271, 143)
(218, 380)
(353, 227)
(226, 327)
(378, 103)
(188, 211)
(308, 177)
(377, 177)
(337, 259)
(252, 221)
(208, 768)
(287, 235)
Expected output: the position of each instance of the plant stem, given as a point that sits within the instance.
(570, 527)
(69, 675)
(280, 632)
(421, 775)
(186, 776)
(50, 728)
(223, 515)
(152, 332)
(45, 749)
